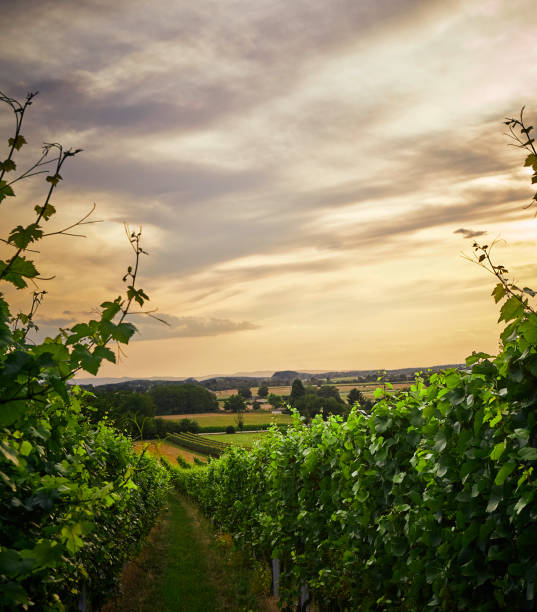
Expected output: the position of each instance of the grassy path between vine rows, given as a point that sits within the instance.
(186, 567)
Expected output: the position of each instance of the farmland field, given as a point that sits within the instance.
(159, 448)
(240, 439)
(367, 388)
(223, 419)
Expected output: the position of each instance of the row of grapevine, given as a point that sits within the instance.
(200, 444)
(75, 502)
(430, 502)
(75, 498)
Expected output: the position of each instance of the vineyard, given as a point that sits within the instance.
(428, 502)
(205, 446)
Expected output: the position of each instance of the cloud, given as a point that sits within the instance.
(468, 233)
(55, 322)
(187, 327)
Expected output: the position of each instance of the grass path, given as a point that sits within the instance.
(186, 567)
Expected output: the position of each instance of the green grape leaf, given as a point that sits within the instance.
(504, 472)
(22, 236)
(499, 292)
(123, 332)
(531, 160)
(103, 352)
(8, 165)
(5, 190)
(110, 309)
(81, 357)
(17, 142)
(54, 179)
(45, 211)
(512, 309)
(20, 269)
(528, 453)
(497, 451)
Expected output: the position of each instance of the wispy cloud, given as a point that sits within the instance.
(284, 159)
(150, 328)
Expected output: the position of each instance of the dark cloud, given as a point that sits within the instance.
(56, 322)
(468, 233)
(183, 184)
(187, 327)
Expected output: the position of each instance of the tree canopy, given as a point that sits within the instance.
(183, 399)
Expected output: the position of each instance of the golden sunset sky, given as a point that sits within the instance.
(300, 170)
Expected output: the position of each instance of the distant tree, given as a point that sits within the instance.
(256, 405)
(275, 400)
(263, 391)
(244, 391)
(183, 399)
(330, 391)
(308, 405)
(330, 405)
(189, 425)
(297, 390)
(357, 397)
(235, 403)
(312, 404)
(122, 408)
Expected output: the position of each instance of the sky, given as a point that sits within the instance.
(300, 171)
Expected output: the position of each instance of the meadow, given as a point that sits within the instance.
(223, 419)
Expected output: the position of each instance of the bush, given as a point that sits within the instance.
(230, 429)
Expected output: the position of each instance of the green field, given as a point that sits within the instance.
(223, 419)
(240, 439)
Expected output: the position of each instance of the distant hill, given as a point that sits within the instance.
(281, 377)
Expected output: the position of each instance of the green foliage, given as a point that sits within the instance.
(357, 397)
(297, 391)
(183, 399)
(75, 499)
(244, 391)
(235, 403)
(324, 401)
(275, 400)
(183, 462)
(125, 409)
(263, 391)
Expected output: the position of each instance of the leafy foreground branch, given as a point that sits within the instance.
(75, 499)
(428, 503)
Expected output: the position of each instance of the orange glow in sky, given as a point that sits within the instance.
(299, 170)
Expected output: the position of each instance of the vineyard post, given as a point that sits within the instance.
(276, 577)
